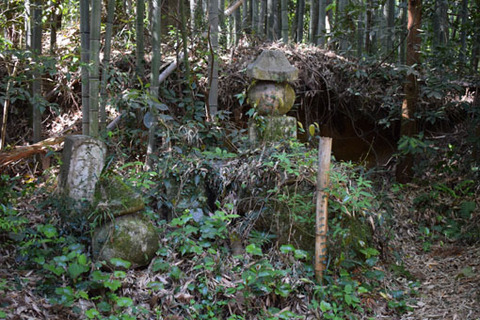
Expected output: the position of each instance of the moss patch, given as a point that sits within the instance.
(114, 198)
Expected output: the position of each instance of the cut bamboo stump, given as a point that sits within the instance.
(321, 227)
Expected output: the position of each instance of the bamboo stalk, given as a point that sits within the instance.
(6, 105)
(321, 227)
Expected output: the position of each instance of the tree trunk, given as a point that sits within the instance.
(463, 33)
(183, 31)
(55, 23)
(36, 48)
(270, 19)
(237, 26)
(261, 19)
(94, 66)
(284, 6)
(321, 29)
(245, 19)
(154, 80)
(404, 171)
(300, 16)
(255, 17)
(213, 61)
(341, 24)
(369, 27)
(313, 26)
(85, 58)
(360, 34)
(106, 63)
(140, 44)
(390, 32)
(402, 50)
(440, 25)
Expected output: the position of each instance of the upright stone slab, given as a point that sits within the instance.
(83, 160)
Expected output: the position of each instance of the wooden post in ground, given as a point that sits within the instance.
(321, 225)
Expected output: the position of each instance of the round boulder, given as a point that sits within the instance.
(130, 237)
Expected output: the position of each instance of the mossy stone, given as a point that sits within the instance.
(130, 237)
(114, 197)
(271, 98)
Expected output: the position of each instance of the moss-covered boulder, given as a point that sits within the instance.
(114, 198)
(130, 237)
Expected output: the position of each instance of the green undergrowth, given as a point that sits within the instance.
(236, 242)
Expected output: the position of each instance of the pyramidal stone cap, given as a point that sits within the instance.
(272, 65)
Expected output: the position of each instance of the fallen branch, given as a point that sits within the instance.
(23, 152)
(170, 68)
(232, 8)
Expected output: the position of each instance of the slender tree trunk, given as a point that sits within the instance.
(261, 19)
(6, 103)
(106, 63)
(245, 19)
(154, 81)
(237, 26)
(284, 6)
(54, 24)
(213, 61)
(321, 29)
(475, 58)
(360, 34)
(369, 28)
(440, 25)
(277, 16)
(94, 67)
(140, 44)
(300, 15)
(404, 172)
(463, 34)
(270, 19)
(255, 17)
(402, 51)
(85, 58)
(183, 31)
(193, 10)
(390, 31)
(37, 77)
(314, 17)
(341, 24)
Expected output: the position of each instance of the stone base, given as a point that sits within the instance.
(273, 129)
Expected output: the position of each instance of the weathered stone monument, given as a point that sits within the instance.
(83, 159)
(272, 96)
(116, 209)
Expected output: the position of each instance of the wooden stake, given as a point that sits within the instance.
(321, 227)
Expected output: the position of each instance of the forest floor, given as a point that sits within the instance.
(445, 274)
(448, 275)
